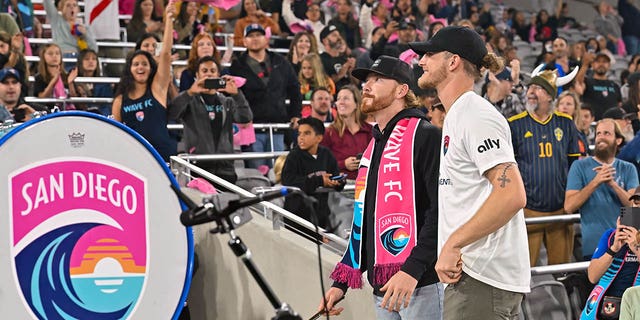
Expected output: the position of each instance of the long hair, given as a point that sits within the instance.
(14, 58)
(576, 102)
(243, 11)
(42, 65)
(296, 38)
(338, 124)
(192, 60)
(145, 37)
(634, 92)
(81, 56)
(127, 84)
(319, 78)
(136, 17)
(183, 16)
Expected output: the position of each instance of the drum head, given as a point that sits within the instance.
(89, 226)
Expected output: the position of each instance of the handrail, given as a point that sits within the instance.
(335, 243)
(232, 156)
(560, 268)
(553, 218)
(69, 100)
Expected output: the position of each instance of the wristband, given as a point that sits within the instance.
(611, 252)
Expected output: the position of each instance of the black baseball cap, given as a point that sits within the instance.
(617, 113)
(327, 30)
(462, 41)
(635, 196)
(254, 27)
(388, 67)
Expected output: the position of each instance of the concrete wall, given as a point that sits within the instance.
(223, 288)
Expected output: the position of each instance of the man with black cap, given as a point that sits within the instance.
(481, 230)
(12, 107)
(406, 30)
(545, 143)
(270, 81)
(336, 59)
(597, 91)
(623, 119)
(394, 231)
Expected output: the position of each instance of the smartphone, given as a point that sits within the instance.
(214, 83)
(630, 216)
(19, 114)
(338, 177)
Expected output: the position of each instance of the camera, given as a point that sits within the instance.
(630, 216)
(214, 83)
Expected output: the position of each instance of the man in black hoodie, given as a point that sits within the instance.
(394, 233)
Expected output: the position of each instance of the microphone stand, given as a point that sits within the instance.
(224, 225)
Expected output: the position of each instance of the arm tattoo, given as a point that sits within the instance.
(503, 178)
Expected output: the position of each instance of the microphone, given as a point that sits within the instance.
(237, 204)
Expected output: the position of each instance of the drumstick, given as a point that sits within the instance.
(319, 313)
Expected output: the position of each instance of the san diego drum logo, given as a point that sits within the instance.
(79, 236)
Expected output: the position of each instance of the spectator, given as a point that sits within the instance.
(569, 103)
(249, 15)
(614, 268)
(11, 55)
(630, 30)
(372, 15)
(208, 116)
(586, 119)
(314, 19)
(406, 31)
(608, 24)
(70, 35)
(144, 20)
(303, 43)
(562, 61)
(520, 27)
(12, 105)
(24, 18)
(8, 24)
(336, 59)
(565, 21)
(270, 81)
(598, 186)
(312, 76)
(202, 46)
(545, 143)
(321, 101)
(188, 24)
(347, 25)
(349, 134)
(623, 119)
(578, 50)
(141, 99)
(546, 27)
(597, 91)
(499, 90)
(51, 81)
(88, 66)
(437, 113)
(309, 167)
(633, 103)
(149, 42)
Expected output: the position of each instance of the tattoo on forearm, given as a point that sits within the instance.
(503, 178)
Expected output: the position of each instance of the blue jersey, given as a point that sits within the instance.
(542, 150)
(627, 274)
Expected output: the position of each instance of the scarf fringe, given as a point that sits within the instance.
(382, 273)
(346, 274)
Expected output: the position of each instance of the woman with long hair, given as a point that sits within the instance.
(188, 24)
(632, 105)
(149, 42)
(141, 100)
(51, 81)
(568, 102)
(144, 20)
(303, 43)
(347, 24)
(202, 46)
(312, 76)
(88, 66)
(250, 14)
(349, 134)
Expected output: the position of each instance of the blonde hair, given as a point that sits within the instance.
(192, 60)
(411, 100)
(576, 101)
(278, 166)
(319, 78)
(338, 124)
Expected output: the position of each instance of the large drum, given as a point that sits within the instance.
(89, 226)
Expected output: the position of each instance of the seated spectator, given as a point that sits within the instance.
(22, 12)
(314, 19)
(565, 21)
(347, 25)
(321, 101)
(144, 20)
(569, 103)
(11, 56)
(584, 126)
(336, 58)
(51, 81)
(349, 134)
(202, 46)
(309, 166)
(633, 101)
(88, 66)
(609, 25)
(70, 35)
(12, 106)
(312, 76)
(208, 116)
(546, 27)
(252, 14)
(303, 43)
(578, 50)
(437, 113)
(613, 268)
(520, 26)
(623, 119)
(630, 29)
(141, 99)
(499, 90)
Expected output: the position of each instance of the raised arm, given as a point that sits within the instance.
(162, 78)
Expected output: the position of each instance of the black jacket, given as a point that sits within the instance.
(421, 262)
(267, 102)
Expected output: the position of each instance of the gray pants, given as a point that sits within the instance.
(471, 299)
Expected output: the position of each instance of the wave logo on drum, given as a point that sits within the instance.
(395, 232)
(79, 239)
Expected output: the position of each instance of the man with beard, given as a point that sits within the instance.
(562, 61)
(394, 231)
(598, 186)
(271, 80)
(12, 107)
(597, 91)
(545, 143)
(336, 60)
(481, 231)
(321, 100)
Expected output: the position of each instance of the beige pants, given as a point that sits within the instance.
(557, 238)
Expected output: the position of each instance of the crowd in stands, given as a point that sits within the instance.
(323, 41)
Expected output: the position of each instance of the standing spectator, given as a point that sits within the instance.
(312, 76)
(598, 186)
(481, 228)
(249, 15)
(202, 46)
(562, 61)
(144, 20)
(546, 27)
(314, 19)
(208, 116)
(501, 90)
(406, 31)
(401, 273)
(321, 101)
(545, 144)
(586, 119)
(188, 24)
(67, 30)
(88, 66)
(608, 24)
(336, 59)
(270, 81)
(632, 105)
(149, 42)
(141, 100)
(372, 16)
(303, 43)
(520, 27)
(630, 29)
(347, 25)
(349, 134)
(569, 103)
(597, 91)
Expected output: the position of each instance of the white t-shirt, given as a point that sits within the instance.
(476, 138)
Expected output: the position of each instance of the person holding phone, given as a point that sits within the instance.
(208, 110)
(613, 268)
